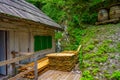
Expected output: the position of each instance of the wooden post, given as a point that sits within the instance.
(13, 64)
(35, 67)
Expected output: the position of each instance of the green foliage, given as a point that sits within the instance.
(89, 55)
(104, 47)
(81, 59)
(75, 38)
(107, 75)
(101, 59)
(95, 65)
(116, 75)
(85, 65)
(87, 76)
(58, 35)
(88, 18)
(95, 71)
(63, 10)
(89, 47)
(118, 47)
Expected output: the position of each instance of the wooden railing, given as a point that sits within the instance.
(22, 57)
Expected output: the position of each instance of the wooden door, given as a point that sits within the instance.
(3, 69)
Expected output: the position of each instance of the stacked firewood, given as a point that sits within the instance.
(62, 61)
(42, 67)
(72, 52)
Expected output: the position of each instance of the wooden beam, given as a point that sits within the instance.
(13, 64)
(35, 68)
(9, 61)
(108, 21)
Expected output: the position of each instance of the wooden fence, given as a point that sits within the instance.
(23, 57)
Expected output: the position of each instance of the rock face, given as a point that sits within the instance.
(104, 58)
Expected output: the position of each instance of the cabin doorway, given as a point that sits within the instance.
(3, 51)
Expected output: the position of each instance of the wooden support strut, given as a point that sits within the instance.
(22, 57)
(35, 68)
(79, 47)
(5, 62)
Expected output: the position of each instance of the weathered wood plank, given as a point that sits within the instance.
(59, 75)
(108, 21)
(20, 74)
(35, 68)
(9, 61)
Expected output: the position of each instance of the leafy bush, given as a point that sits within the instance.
(58, 35)
(85, 18)
(116, 75)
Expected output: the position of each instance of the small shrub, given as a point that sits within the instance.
(86, 65)
(89, 55)
(107, 75)
(58, 35)
(88, 18)
(94, 65)
(118, 47)
(95, 71)
(101, 59)
(116, 75)
(87, 76)
(89, 47)
(112, 56)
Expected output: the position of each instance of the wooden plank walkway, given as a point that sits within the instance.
(59, 75)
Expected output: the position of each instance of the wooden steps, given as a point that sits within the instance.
(42, 67)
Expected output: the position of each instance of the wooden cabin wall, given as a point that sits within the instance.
(44, 32)
(21, 39)
(21, 36)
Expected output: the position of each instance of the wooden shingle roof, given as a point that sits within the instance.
(25, 10)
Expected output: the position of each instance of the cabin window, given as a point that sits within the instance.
(42, 42)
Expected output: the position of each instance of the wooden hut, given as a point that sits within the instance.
(114, 11)
(24, 28)
(102, 14)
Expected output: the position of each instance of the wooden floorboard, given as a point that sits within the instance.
(59, 75)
